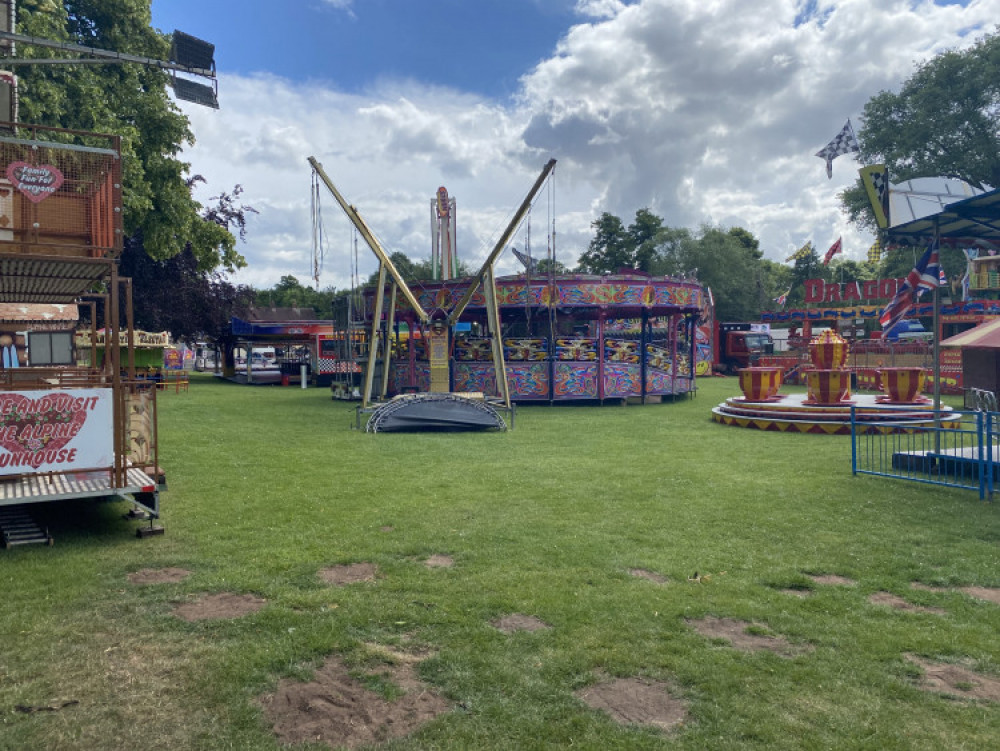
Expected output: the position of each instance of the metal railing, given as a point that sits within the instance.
(950, 448)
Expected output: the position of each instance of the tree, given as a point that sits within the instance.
(643, 236)
(610, 250)
(550, 266)
(417, 271)
(730, 266)
(175, 295)
(128, 100)
(290, 293)
(943, 122)
(616, 247)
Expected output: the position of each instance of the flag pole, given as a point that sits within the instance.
(937, 319)
(937, 343)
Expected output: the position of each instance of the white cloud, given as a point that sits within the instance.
(701, 110)
(340, 4)
(599, 8)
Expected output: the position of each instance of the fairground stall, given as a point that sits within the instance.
(564, 338)
(68, 433)
(279, 346)
(148, 349)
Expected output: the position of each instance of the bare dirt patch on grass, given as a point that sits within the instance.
(650, 575)
(439, 561)
(745, 636)
(636, 701)
(897, 602)
(159, 575)
(832, 580)
(221, 605)
(519, 622)
(955, 680)
(337, 709)
(991, 594)
(349, 573)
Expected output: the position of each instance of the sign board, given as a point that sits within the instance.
(139, 338)
(55, 431)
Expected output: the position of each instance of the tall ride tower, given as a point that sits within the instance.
(444, 257)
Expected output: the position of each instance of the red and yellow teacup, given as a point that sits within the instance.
(828, 386)
(760, 383)
(901, 384)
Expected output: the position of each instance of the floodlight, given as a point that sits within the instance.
(192, 52)
(198, 93)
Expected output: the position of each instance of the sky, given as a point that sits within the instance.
(702, 111)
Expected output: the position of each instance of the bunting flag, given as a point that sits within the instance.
(802, 252)
(875, 178)
(843, 143)
(834, 250)
(925, 275)
(783, 298)
(875, 251)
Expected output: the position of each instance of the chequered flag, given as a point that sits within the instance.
(843, 143)
(802, 252)
(875, 252)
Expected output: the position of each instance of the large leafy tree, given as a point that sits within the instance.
(725, 261)
(175, 295)
(615, 246)
(128, 100)
(942, 122)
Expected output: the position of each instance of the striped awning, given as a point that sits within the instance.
(984, 336)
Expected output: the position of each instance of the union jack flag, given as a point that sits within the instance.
(925, 275)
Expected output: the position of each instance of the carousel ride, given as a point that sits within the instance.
(828, 404)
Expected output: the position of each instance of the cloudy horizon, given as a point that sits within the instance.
(703, 111)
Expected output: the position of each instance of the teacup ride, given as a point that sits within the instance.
(760, 384)
(826, 406)
(901, 385)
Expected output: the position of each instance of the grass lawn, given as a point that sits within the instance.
(268, 486)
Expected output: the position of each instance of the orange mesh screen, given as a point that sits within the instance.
(60, 193)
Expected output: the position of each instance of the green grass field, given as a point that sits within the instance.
(268, 485)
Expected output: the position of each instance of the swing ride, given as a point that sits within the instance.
(416, 410)
(563, 337)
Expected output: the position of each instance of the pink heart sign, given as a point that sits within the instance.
(37, 431)
(37, 182)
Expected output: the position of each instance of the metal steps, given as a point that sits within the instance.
(18, 528)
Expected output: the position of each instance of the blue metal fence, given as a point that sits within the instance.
(952, 448)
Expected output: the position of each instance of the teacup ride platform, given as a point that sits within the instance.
(828, 405)
(796, 413)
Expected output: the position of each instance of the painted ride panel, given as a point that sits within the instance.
(639, 340)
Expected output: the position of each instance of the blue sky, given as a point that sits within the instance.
(703, 111)
(482, 46)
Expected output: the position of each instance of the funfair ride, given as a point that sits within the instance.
(438, 407)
